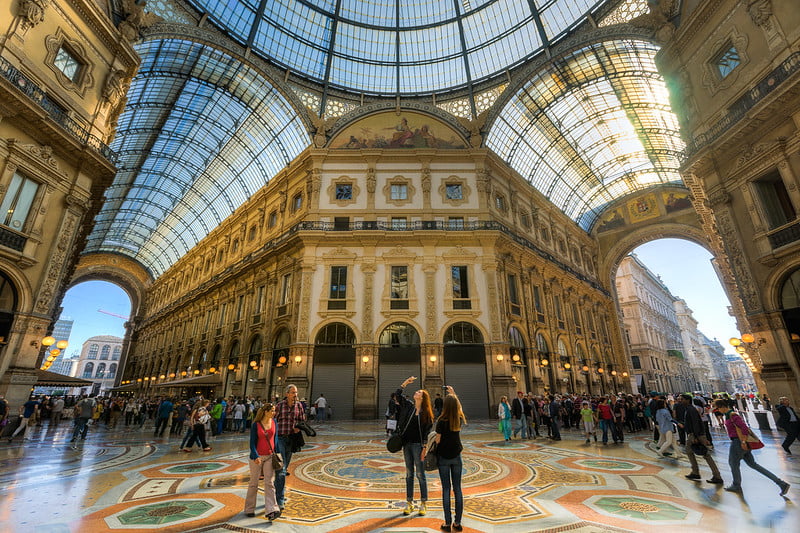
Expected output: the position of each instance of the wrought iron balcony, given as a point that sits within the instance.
(12, 239)
(76, 129)
(785, 235)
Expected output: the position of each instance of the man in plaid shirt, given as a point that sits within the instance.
(288, 412)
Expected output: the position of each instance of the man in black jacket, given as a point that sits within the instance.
(696, 434)
(518, 414)
(788, 421)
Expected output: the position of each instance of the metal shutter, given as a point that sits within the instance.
(470, 383)
(390, 377)
(337, 383)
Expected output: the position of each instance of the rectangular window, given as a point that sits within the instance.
(17, 202)
(297, 202)
(338, 292)
(455, 223)
(399, 288)
(399, 191)
(636, 363)
(222, 312)
(537, 303)
(453, 191)
(576, 316)
(273, 219)
(460, 281)
(239, 308)
(559, 313)
(399, 223)
(286, 288)
(68, 64)
(344, 191)
(500, 203)
(775, 201)
(259, 299)
(727, 61)
(513, 295)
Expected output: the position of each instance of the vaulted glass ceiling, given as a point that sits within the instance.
(592, 128)
(390, 47)
(200, 134)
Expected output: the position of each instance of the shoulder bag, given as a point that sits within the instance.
(431, 458)
(395, 442)
(750, 438)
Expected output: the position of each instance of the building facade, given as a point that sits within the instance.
(99, 361)
(652, 330)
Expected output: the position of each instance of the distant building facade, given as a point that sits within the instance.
(99, 361)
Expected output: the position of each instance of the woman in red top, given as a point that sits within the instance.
(263, 443)
(737, 431)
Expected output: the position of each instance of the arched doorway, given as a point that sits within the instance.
(519, 360)
(8, 307)
(465, 368)
(543, 351)
(251, 372)
(398, 358)
(335, 369)
(280, 362)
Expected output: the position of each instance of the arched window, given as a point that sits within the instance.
(101, 371)
(336, 334)
(88, 369)
(541, 343)
(399, 334)
(515, 338)
(562, 348)
(463, 333)
(112, 370)
(233, 355)
(93, 349)
(105, 352)
(254, 353)
(790, 292)
(116, 353)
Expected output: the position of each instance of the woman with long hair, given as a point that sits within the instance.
(448, 451)
(737, 431)
(198, 420)
(263, 443)
(504, 414)
(415, 420)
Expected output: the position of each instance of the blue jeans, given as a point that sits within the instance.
(411, 453)
(285, 449)
(556, 433)
(450, 472)
(521, 427)
(605, 425)
(735, 457)
(320, 416)
(80, 428)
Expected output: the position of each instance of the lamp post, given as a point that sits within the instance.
(47, 342)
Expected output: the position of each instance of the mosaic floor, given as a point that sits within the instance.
(346, 481)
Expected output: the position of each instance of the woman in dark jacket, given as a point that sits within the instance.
(414, 421)
(263, 444)
(448, 451)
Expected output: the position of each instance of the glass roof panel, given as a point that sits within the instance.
(297, 34)
(199, 136)
(593, 127)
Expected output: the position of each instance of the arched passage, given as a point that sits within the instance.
(335, 369)
(465, 367)
(398, 358)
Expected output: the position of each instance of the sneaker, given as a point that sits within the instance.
(733, 488)
(715, 481)
(667, 454)
(786, 449)
(423, 511)
(409, 508)
(208, 449)
(784, 488)
(693, 476)
(587, 441)
(445, 527)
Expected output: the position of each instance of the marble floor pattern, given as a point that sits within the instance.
(124, 480)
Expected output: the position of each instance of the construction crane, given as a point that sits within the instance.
(113, 314)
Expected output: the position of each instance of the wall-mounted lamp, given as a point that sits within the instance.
(146, 378)
(196, 372)
(433, 358)
(212, 370)
(600, 370)
(281, 360)
(515, 358)
(184, 373)
(231, 366)
(500, 357)
(172, 375)
(138, 380)
(298, 359)
(365, 359)
(162, 376)
(545, 362)
(613, 372)
(567, 366)
(585, 368)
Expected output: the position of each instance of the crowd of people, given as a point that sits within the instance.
(680, 424)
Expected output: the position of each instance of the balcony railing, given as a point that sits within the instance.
(745, 103)
(76, 129)
(785, 235)
(12, 239)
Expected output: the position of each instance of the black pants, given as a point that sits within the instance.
(198, 435)
(792, 430)
(161, 423)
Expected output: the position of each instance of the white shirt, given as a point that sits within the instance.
(321, 402)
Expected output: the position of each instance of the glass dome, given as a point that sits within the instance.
(388, 47)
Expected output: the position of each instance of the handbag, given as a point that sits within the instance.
(395, 442)
(277, 463)
(753, 442)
